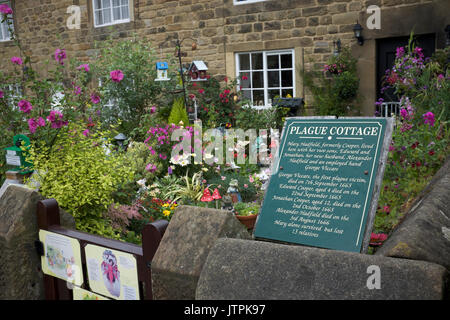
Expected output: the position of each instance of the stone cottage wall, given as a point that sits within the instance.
(221, 29)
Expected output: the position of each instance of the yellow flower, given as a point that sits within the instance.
(165, 205)
(166, 213)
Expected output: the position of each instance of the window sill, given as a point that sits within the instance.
(112, 24)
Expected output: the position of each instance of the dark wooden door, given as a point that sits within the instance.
(386, 50)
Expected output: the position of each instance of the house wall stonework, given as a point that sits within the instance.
(221, 29)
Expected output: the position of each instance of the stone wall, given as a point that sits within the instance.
(221, 29)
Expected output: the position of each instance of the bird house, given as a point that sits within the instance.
(197, 71)
(162, 69)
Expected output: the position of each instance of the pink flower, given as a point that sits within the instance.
(17, 60)
(251, 179)
(25, 106)
(386, 209)
(86, 132)
(153, 109)
(53, 116)
(150, 167)
(223, 178)
(245, 186)
(201, 91)
(2, 94)
(77, 90)
(32, 125)
(84, 67)
(404, 113)
(376, 239)
(41, 122)
(429, 118)
(5, 9)
(244, 78)
(95, 98)
(60, 55)
(116, 75)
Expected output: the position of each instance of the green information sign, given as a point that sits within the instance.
(325, 182)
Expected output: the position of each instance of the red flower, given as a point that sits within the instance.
(418, 164)
(201, 91)
(386, 209)
(244, 78)
(431, 152)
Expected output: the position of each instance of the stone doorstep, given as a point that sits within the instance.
(233, 271)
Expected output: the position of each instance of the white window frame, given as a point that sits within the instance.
(267, 103)
(237, 3)
(113, 22)
(4, 26)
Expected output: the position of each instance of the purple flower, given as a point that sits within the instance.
(32, 125)
(153, 109)
(169, 170)
(5, 9)
(400, 52)
(95, 98)
(84, 67)
(53, 116)
(86, 132)
(2, 94)
(60, 55)
(77, 90)
(429, 118)
(41, 122)
(116, 75)
(25, 106)
(404, 113)
(17, 60)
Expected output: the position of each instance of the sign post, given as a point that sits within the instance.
(325, 183)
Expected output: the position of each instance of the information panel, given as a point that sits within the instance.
(322, 184)
(112, 273)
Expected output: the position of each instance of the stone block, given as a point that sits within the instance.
(180, 257)
(255, 270)
(425, 232)
(20, 276)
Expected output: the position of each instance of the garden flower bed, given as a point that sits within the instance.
(73, 114)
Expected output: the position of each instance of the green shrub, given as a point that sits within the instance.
(77, 172)
(178, 113)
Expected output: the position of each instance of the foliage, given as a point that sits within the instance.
(248, 118)
(335, 87)
(247, 188)
(246, 209)
(190, 191)
(137, 92)
(77, 171)
(421, 137)
(178, 113)
(217, 102)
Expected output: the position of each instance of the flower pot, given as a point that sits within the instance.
(248, 221)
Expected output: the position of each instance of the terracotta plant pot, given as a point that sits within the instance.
(248, 221)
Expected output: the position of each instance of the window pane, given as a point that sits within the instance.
(274, 79)
(99, 17)
(247, 94)
(274, 94)
(245, 79)
(106, 3)
(272, 62)
(258, 79)
(116, 12)
(244, 61)
(257, 61)
(125, 13)
(125, 3)
(116, 3)
(258, 97)
(1, 32)
(286, 61)
(107, 16)
(285, 92)
(97, 4)
(286, 78)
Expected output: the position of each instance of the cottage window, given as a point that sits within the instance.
(109, 12)
(237, 2)
(266, 75)
(5, 35)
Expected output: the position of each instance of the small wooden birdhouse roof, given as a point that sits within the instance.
(200, 65)
(162, 66)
